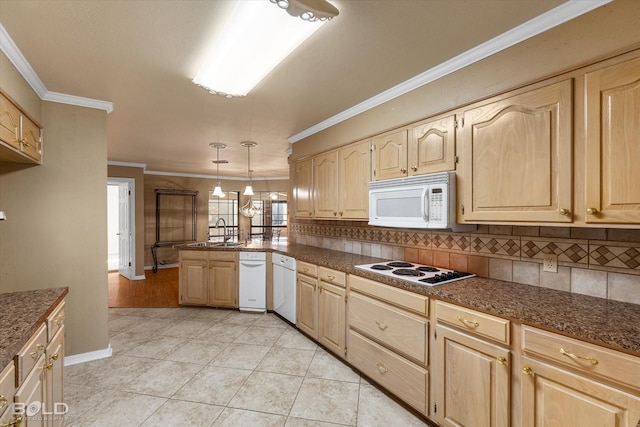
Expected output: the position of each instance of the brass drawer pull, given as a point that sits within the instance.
(3, 401)
(330, 277)
(527, 370)
(577, 358)
(53, 357)
(40, 349)
(469, 323)
(592, 211)
(381, 325)
(502, 360)
(16, 422)
(403, 170)
(382, 369)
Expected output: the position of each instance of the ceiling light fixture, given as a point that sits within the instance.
(250, 209)
(256, 37)
(217, 191)
(308, 10)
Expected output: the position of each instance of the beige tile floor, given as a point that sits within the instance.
(208, 367)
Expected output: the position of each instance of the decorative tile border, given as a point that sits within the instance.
(451, 242)
(570, 252)
(496, 246)
(614, 256)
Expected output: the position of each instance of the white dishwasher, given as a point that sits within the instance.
(284, 286)
(253, 281)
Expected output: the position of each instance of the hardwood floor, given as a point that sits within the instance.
(157, 290)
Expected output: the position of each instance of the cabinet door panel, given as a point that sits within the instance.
(325, 185)
(554, 397)
(307, 305)
(223, 284)
(30, 138)
(193, 282)
(303, 185)
(9, 123)
(331, 314)
(391, 155)
(432, 146)
(354, 162)
(613, 147)
(517, 156)
(474, 388)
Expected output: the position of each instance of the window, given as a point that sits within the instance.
(223, 209)
(271, 222)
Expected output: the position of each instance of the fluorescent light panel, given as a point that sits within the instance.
(257, 36)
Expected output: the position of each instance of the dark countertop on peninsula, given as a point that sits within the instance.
(609, 323)
(22, 313)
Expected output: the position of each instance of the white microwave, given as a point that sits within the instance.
(423, 201)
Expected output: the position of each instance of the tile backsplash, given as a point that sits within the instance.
(594, 261)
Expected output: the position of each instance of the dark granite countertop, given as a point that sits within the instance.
(22, 314)
(609, 323)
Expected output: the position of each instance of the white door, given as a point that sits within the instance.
(124, 230)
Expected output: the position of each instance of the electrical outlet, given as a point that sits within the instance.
(550, 263)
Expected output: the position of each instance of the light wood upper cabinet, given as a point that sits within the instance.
(354, 174)
(325, 185)
(390, 152)
(20, 137)
(302, 188)
(612, 97)
(432, 146)
(516, 158)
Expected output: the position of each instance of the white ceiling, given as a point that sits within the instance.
(141, 55)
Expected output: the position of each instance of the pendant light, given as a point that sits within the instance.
(250, 209)
(217, 191)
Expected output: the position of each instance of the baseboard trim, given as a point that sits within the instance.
(90, 356)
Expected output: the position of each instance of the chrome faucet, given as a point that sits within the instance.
(225, 237)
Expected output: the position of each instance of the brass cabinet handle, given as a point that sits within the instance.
(335, 213)
(330, 277)
(341, 213)
(469, 323)
(3, 401)
(305, 269)
(502, 360)
(16, 422)
(527, 370)
(381, 325)
(40, 348)
(592, 211)
(578, 358)
(310, 213)
(414, 168)
(382, 369)
(564, 212)
(53, 357)
(403, 170)
(25, 143)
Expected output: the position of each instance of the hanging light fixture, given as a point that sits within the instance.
(308, 10)
(217, 191)
(250, 209)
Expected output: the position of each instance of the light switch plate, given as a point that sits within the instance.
(550, 263)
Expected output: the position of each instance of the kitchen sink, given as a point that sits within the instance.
(215, 244)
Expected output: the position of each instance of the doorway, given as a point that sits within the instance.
(120, 226)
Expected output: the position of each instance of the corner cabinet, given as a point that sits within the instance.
(612, 98)
(516, 158)
(20, 137)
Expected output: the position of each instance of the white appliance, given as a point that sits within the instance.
(253, 281)
(416, 273)
(284, 286)
(423, 201)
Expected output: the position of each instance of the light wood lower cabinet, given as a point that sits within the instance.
(209, 278)
(54, 380)
(472, 381)
(307, 304)
(31, 394)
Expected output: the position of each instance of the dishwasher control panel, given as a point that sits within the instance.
(253, 256)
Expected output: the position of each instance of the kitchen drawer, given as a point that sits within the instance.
(199, 255)
(475, 322)
(30, 353)
(599, 361)
(335, 277)
(399, 297)
(406, 380)
(55, 321)
(7, 386)
(307, 269)
(223, 255)
(390, 326)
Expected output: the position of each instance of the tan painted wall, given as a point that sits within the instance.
(610, 29)
(138, 175)
(56, 233)
(203, 186)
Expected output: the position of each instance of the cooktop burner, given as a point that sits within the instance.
(407, 272)
(419, 274)
(381, 267)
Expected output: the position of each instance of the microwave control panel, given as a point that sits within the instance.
(437, 201)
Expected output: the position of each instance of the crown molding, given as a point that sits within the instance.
(226, 178)
(127, 164)
(10, 49)
(559, 15)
